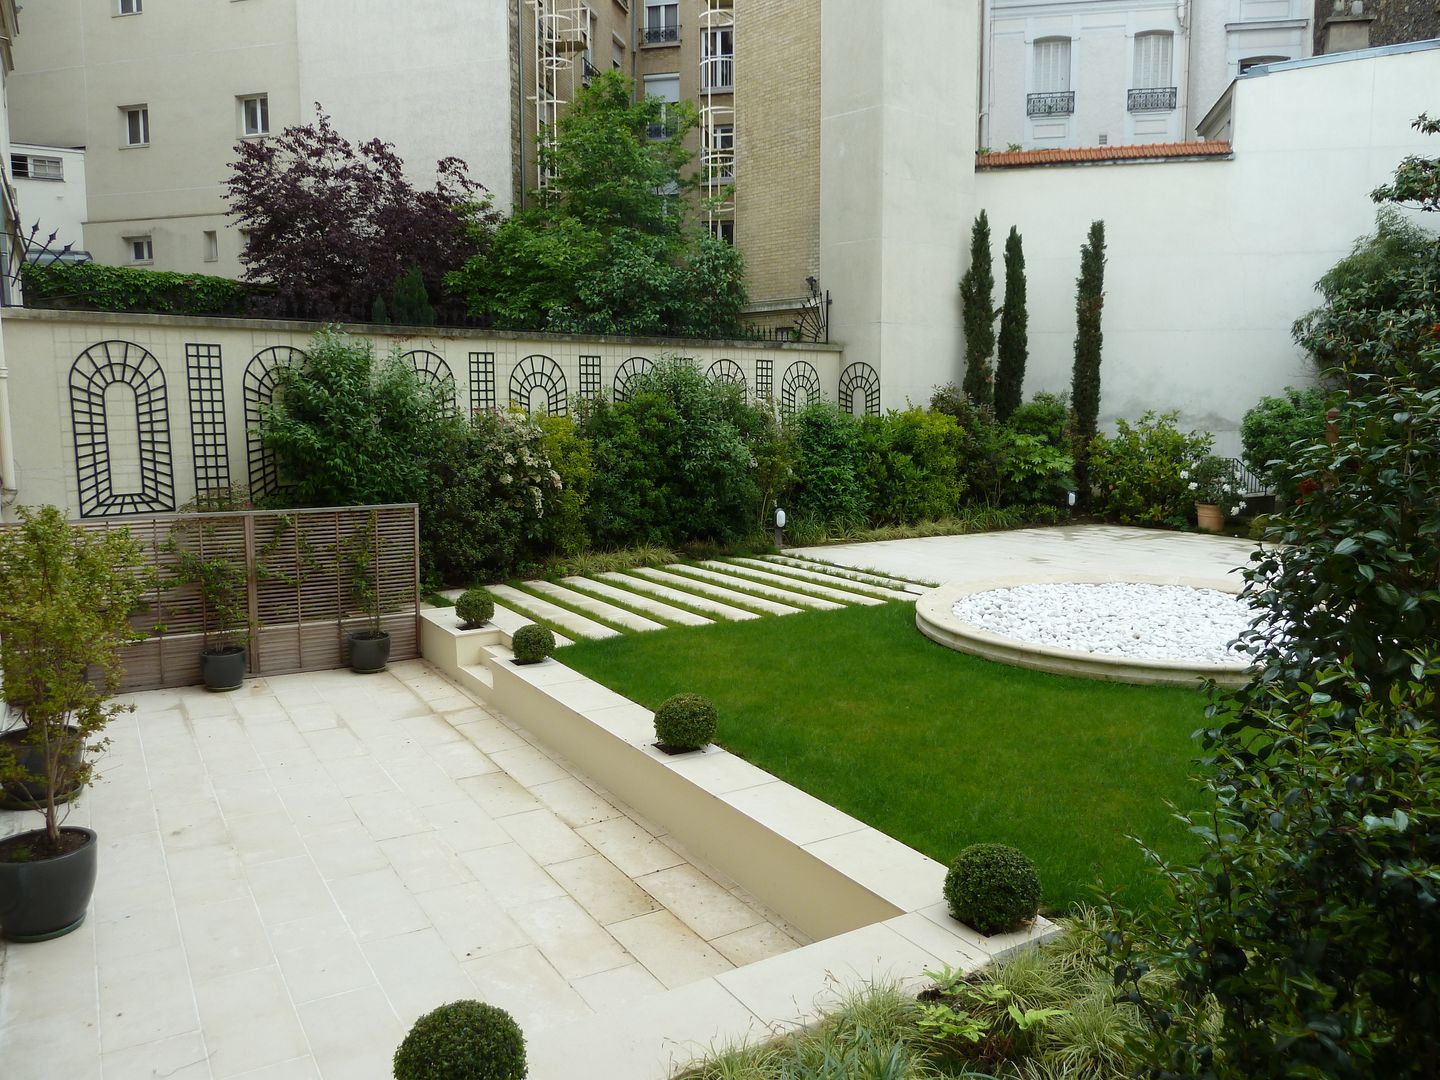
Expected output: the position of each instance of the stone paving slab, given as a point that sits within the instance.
(617, 615)
(833, 592)
(711, 589)
(898, 584)
(580, 626)
(784, 596)
(695, 600)
(645, 603)
(794, 568)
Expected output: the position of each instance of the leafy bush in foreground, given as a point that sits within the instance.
(1136, 471)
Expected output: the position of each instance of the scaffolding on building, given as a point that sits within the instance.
(562, 30)
(717, 112)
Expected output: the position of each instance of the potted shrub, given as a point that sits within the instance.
(1216, 491)
(370, 645)
(66, 596)
(531, 644)
(683, 723)
(993, 888)
(224, 613)
(464, 1040)
(474, 608)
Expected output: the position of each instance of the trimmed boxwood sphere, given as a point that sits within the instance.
(532, 643)
(475, 608)
(465, 1040)
(993, 888)
(685, 722)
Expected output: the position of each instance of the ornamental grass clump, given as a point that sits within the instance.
(474, 608)
(464, 1040)
(993, 888)
(685, 722)
(532, 643)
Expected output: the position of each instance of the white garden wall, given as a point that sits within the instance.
(1210, 262)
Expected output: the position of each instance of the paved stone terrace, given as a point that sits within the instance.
(292, 873)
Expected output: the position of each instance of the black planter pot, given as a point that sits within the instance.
(369, 652)
(224, 669)
(47, 898)
(30, 794)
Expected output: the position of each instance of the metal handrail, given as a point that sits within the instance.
(660, 35)
(1151, 99)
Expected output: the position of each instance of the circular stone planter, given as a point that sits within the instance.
(936, 619)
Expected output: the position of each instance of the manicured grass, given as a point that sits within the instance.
(936, 748)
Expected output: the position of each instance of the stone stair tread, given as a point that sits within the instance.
(732, 579)
(824, 581)
(510, 621)
(646, 603)
(695, 600)
(608, 612)
(843, 573)
(710, 588)
(576, 624)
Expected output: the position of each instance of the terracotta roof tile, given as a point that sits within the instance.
(1079, 155)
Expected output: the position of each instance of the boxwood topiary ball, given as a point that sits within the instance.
(532, 643)
(685, 722)
(993, 888)
(475, 608)
(465, 1040)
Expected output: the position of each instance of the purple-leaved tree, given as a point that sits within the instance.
(331, 225)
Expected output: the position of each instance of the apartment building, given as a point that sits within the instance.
(158, 92)
(1063, 73)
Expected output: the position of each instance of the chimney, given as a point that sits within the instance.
(1347, 28)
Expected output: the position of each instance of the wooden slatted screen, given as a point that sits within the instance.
(299, 565)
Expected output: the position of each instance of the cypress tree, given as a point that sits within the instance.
(410, 302)
(1085, 382)
(978, 315)
(1014, 342)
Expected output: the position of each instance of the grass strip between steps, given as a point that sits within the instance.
(779, 570)
(632, 585)
(798, 588)
(861, 569)
(571, 607)
(623, 605)
(539, 620)
(747, 587)
(874, 578)
(639, 581)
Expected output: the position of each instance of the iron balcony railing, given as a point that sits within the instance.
(1151, 99)
(660, 35)
(1053, 103)
(717, 73)
(590, 71)
(662, 130)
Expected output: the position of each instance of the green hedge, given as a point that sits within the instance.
(96, 287)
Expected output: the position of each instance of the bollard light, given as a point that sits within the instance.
(1070, 499)
(779, 527)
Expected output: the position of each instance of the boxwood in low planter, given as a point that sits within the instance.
(993, 888)
(475, 608)
(684, 722)
(532, 643)
(464, 1040)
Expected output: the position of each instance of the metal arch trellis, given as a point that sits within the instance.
(261, 374)
(95, 370)
(725, 370)
(539, 372)
(628, 372)
(860, 376)
(432, 369)
(800, 378)
(210, 453)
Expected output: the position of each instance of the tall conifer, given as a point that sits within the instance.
(977, 313)
(1014, 341)
(1085, 382)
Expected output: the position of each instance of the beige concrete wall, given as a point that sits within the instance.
(42, 347)
(777, 104)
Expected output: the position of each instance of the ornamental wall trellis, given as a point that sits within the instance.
(124, 463)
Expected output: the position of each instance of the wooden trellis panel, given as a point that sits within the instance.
(298, 565)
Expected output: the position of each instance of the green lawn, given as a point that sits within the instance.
(936, 748)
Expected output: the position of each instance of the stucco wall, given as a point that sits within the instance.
(59, 358)
(1210, 262)
(57, 205)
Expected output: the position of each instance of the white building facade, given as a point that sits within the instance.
(50, 192)
(1063, 73)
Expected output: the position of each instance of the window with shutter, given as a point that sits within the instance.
(1152, 61)
(1052, 65)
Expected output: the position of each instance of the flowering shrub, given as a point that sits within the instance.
(1212, 480)
(1135, 473)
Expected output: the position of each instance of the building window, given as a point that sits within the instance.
(142, 249)
(34, 167)
(717, 59)
(666, 88)
(137, 124)
(1050, 80)
(1257, 61)
(127, 7)
(723, 229)
(212, 246)
(662, 24)
(255, 114)
(1152, 81)
(720, 154)
(617, 52)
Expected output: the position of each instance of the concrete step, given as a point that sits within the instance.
(577, 625)
(644, 603)
(720, 575)
(510, 621)
(680, 595)
(707, 588)
(840, 574)
(609, 612)
(824, 584)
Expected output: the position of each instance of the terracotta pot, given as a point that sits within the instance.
(1209, 517)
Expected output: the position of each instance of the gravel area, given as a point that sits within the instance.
(1144, 622)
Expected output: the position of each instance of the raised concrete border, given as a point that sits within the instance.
(873, 904)
(935, 618)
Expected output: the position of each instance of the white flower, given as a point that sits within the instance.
(1235, 511)
(1194, 486)
(1185, 475)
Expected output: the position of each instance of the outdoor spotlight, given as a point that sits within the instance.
(779, 526)
(1070, 499)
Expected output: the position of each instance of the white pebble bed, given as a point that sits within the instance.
(1140, 622)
